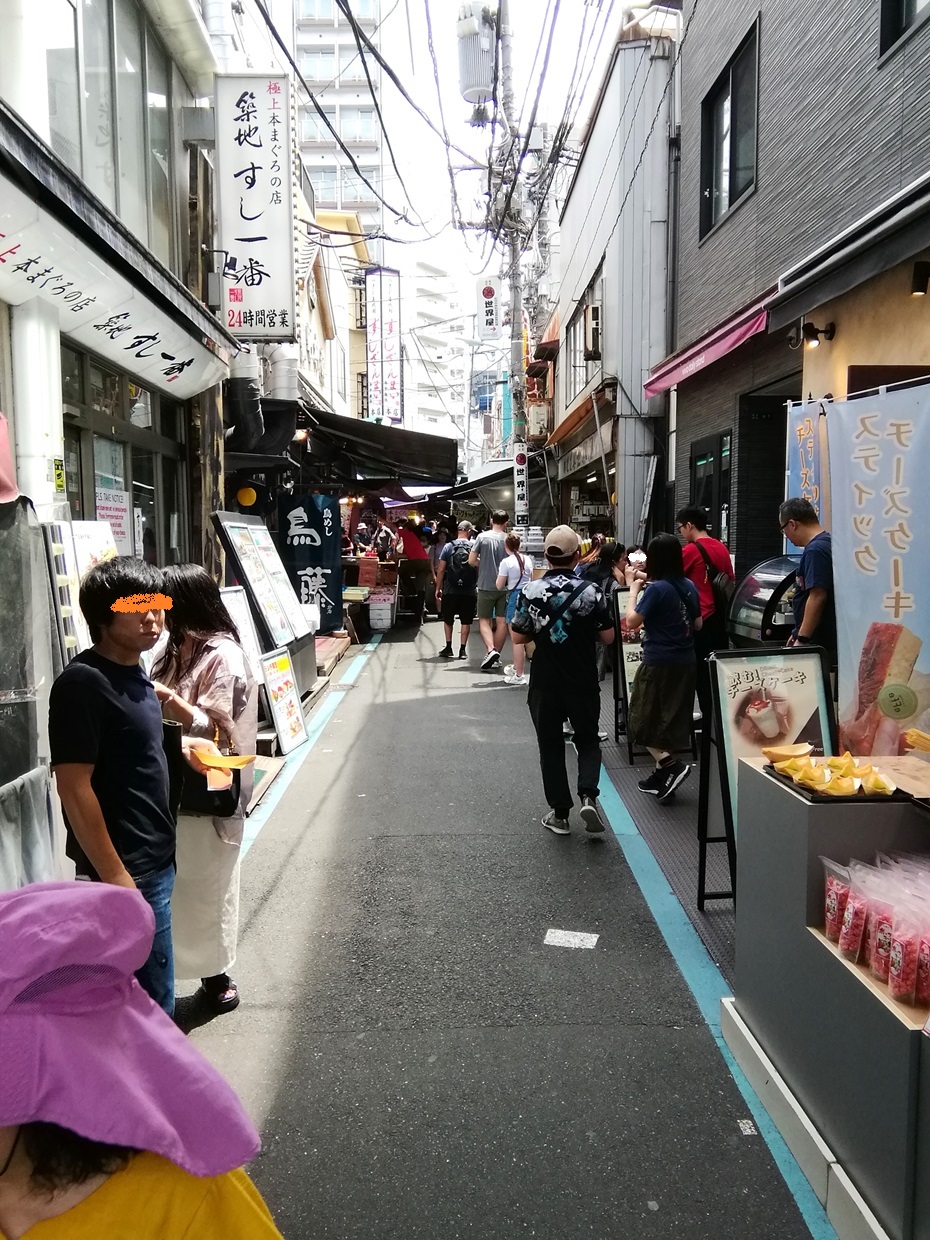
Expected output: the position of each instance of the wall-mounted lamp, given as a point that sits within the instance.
(920, 279)
(810, 335)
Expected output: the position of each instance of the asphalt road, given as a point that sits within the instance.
(419, 1062)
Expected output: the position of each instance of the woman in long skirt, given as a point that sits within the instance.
(204, 681)
(666, 605)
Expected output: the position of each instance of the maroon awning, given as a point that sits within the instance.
(710, 348)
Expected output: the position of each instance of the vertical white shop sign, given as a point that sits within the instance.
(489, 309)
(521, 485)
(255, 180)
(385, 360)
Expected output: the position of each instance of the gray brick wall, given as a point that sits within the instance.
(838, 133)
(711, 403)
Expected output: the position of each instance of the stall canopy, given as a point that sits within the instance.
(378, 451)
(710, 348)
(111, 294)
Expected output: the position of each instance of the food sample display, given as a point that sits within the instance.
(879, 916)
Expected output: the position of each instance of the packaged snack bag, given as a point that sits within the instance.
(903, 955)
(922, 994)
(855, 915)
(881, 914)
(836, 891)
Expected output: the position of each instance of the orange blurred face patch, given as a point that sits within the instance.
(142, 603)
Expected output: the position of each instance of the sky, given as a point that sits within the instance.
(420, 153)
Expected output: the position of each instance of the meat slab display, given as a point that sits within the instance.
(888, 658)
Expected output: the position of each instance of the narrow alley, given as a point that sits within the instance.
(419, 1061)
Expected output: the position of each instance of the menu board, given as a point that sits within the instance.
(262, 588)
(287, 599)
(283, 699)
(237, 604)
(93, 543)
(765, 698)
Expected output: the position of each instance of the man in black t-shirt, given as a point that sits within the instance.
(107, 750)
(566, 617)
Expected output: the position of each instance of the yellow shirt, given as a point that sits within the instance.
(152, 1199)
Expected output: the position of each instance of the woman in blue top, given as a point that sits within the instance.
(665, 604)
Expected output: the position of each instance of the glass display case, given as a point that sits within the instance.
(760, 611)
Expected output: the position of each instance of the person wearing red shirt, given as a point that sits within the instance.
(699, 548)
(415, 567)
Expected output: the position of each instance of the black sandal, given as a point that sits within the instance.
(221, 993)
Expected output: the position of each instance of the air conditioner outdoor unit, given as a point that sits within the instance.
(592, 333)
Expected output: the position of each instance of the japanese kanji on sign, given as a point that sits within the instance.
(881, 569)
(489, 309)
(255, 191)
(385, 362)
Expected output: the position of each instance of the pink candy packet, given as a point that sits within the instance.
(836, 893)
(881, 915)
(903, 956)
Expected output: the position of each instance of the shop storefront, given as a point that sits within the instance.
(585, 452)
(125, 459)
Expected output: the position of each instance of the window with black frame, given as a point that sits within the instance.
(899, 17)
(729, 117)
(124, 452)
(710, 480)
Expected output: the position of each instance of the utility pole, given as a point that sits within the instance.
(511, 228)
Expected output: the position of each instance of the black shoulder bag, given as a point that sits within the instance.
(198, 798)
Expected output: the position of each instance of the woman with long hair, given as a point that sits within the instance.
(665, 604)
(607, 573)
(204, 682)
(514, 572)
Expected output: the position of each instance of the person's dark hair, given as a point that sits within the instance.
(610, 554)
(61, 1159)
(197, 612)
(693, 515)
(664, 560)
(800, 510)
(110, 580)
(499, 517)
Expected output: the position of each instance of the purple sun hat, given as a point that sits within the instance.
(83, 1045)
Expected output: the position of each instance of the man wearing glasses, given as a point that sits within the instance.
(814, 614)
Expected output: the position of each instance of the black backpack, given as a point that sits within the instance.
(722, 585)
(460, 574)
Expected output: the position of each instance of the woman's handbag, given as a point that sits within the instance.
(197, 797)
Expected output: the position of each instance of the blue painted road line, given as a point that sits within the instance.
(708, 986)
(292, 764)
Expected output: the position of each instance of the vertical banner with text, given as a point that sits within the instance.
(881, 569)
(255, 205)
(385, 359)
(489, 309)
(807, 476)
(310, 542)
(521, 485)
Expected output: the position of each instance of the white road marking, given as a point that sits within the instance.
(570, 938)
(748, 1128)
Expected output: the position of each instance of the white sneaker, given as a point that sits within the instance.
(516, 680)
(510, 670)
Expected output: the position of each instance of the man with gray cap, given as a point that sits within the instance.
(566, 617)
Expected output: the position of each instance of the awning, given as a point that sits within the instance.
(61, 244)
(891, 234)
(382, 451)
(709, 349)
(582, 411)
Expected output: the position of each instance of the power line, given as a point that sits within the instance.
(356, 31)
(456, 210)
(529, 127)
(642, 154)
(266, 17)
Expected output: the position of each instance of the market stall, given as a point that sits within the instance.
(828, 1016)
